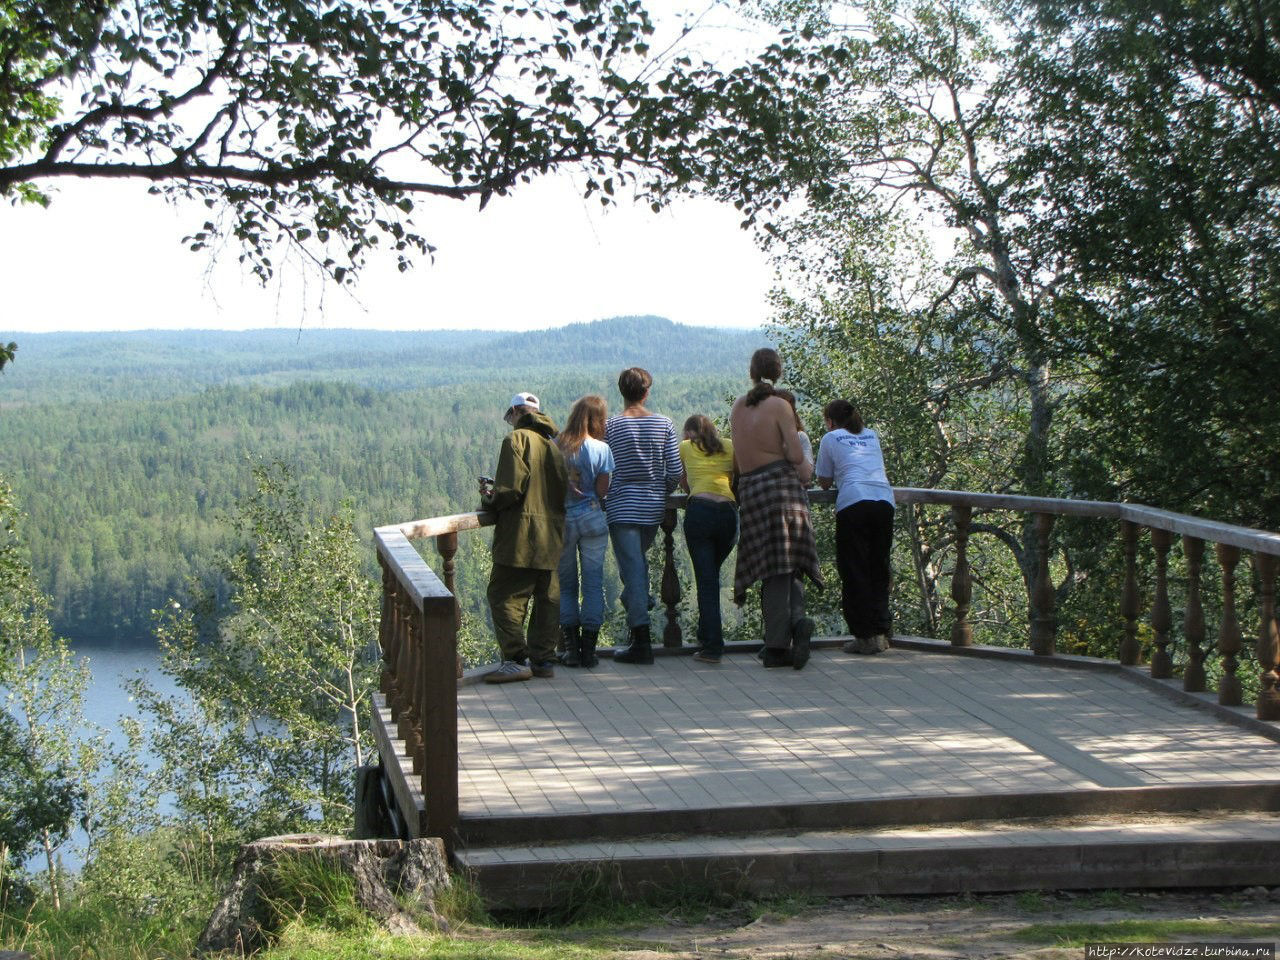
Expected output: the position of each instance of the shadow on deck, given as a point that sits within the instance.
(922, 770)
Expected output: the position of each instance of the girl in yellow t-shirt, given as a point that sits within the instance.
(710, 523)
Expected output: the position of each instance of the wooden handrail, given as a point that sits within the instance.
(1246, 538)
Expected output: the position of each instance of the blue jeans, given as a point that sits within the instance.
(631, 542)
(586, 536)
(710, 531)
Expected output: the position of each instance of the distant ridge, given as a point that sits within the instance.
(655, 343)
(175, 362)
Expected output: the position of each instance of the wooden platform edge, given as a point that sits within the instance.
(398, 768)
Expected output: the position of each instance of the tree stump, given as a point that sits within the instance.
(414, 869)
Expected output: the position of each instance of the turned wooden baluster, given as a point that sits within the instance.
(1229, 631)
(1268, 648)
(961, 582)
(1193, 679)
(1161, 615)
(409, 724)
(671, 633)
(401, 706)
(1130, 651)
(1043, 623)
(387, 633)
(423, 628)
(447, 547)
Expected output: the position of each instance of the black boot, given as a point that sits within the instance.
(570, 655)
(777, 657)
(589, 638)
(638, 650)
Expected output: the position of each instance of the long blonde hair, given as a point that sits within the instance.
(586, 419)
(705, 436)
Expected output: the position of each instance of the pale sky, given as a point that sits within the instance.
(107, 256)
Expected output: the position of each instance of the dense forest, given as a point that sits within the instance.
(127, 451)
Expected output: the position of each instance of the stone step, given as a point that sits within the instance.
(1153, 851)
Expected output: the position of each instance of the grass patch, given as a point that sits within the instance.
(1038, 901)
(97, 926)
(594, 902)
(460, 904)
(310, 890)
(1127, 931)
(311, 943)
(1031, 901)
(592, 896)
(1107, 900)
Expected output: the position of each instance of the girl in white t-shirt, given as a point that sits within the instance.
(849, 456)
(806, 447)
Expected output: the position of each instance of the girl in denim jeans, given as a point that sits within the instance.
(586, 532)
(710, 523)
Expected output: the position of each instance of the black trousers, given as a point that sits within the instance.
(864, 536)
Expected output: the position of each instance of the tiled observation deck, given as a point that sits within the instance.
(682, 735)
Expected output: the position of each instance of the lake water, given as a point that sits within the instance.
(106, 701)
(112, 667)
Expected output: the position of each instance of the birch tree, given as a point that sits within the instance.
(277, 676)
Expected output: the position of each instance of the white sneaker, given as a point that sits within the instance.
(509, 671)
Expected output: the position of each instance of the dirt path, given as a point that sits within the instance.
(944, 928)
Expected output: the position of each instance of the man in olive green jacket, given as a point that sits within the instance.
(528, 496)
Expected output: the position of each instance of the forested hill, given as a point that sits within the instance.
(158, 363)
(127, 450)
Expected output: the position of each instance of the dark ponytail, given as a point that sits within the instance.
(843, 414)
(766, 370)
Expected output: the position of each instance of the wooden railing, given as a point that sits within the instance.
(420, 613)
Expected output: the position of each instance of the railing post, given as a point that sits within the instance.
(1268, 638)
(671, 633)
(1043, 624)
(1161, 615)
(1130, 651)
(1193, 679)
(1229, 631)
(961, 582)
(439, 705)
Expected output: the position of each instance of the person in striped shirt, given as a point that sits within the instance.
(646, 456)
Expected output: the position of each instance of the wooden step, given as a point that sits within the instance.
(889, 811)
(1153, 851)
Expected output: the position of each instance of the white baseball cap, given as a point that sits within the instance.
(522, 400)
